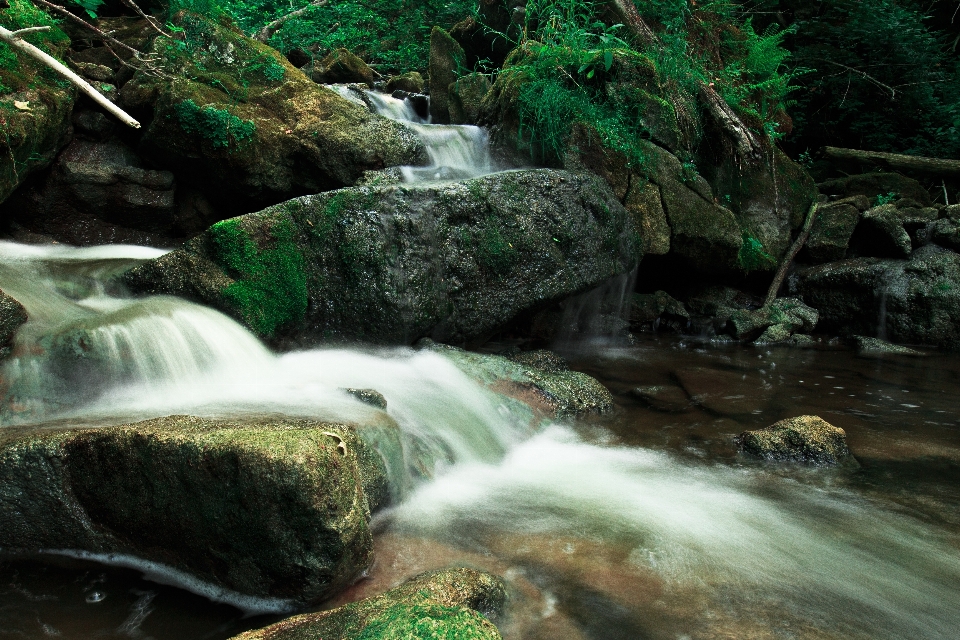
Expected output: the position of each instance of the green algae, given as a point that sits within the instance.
(428, 622)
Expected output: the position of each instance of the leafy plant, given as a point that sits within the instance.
(220, 127)
(884, 198)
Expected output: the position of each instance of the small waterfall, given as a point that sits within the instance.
(456, 152)
(601, 315)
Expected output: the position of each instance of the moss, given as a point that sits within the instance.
(494, 246)
(428, 622)
(752, 257)
(219, 127)
(270, 290)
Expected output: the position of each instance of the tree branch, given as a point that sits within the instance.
(105, 36)
(791, 254)
(267, 32)
(14, 40)
(150, 19)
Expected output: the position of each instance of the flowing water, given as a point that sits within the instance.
(643, 523)
(456, 152)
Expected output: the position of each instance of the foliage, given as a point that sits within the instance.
(886, 79)
(884, 198)
(270, 290)
(391, 34)
(220, 127)
(428, 622)
(18, 71)
(752, 256)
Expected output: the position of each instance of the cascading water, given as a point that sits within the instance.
(641, 543)
(456, 152)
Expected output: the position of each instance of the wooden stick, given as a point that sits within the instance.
(81, 21)
(14, 40)
(271, 28)
(791, 254)
(897, 161)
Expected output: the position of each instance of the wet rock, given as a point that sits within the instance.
(658, 308)
(465, 95)
(341, 66)
(369, 396)
(874, 185)
(276, 509)
(12, 317)
(287, 135)
(668, 398)
(446, 60)
(392, 264)
(450, 603)
(774, 334)
(881, 234)
(789, 313)
(867, 346)
(720, 391)
(551, 391)
(832, 230)
(411, 82)
(946, 233)
(802, 439)
(542, 359)
(952, 213)
(915, 301)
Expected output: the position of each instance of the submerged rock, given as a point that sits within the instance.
(801, 439)
(394, 263)
(277, 509)
(668, 398)
(450, 603)
(915, 301)
(867, 346)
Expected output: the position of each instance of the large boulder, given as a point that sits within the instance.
(832, 229)
(449, 603)
(915, 301)
(447, 61)
(395, 263)
(802, 439)
(342, 66)
(277, 509)
(234, 118)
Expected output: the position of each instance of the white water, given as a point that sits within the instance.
(456, 152)
(848, 567)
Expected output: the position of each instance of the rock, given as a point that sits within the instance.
(880, 234)
(550, 391)
(465, 95)
(449, 603)
(411, 82)
(801, 439)
(341, 66)
(915, 301)
(247, 129)
(12, 317)
(542, 359)
(775, 334)
(720, 391)
(446, 62)
(656, 308)
(668, 398)
(791, 314)
(394, 263)
(874, 185)
(946, 233)
(277, 509)
(369, 396)
(832, 230)
(99, 192)
(867, 346)
(952, 213)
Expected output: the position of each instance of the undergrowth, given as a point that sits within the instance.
(219, 127)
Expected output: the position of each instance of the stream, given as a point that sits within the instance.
(642, 523)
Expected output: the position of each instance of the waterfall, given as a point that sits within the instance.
(456, 152)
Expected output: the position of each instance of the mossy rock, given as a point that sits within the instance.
(446, 60)
(915, 301)
(240, 123)
(394, 263)
(802, 439)
(880, 233)
(35, 101)
(12, 317)
(465, 96)
(440, 605)
(411, 82)
(341, 66)
(270, 508)
(832, 229)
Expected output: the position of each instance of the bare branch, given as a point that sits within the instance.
(11, 38)
(105, 36)
(150, 19)
(267, 32)
(865, 76)
(791, 254)
(20, 32)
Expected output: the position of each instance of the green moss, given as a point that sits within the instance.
(752, 257)
(270, 289)
(496, 246)
(218, 126)
(428, 622)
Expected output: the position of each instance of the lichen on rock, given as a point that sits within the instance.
(802, 439)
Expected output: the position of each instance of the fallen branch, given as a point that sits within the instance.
(70, 16)
(791, 254)
(150, 19)
(940, 167)
(267, 32)
(13, 38)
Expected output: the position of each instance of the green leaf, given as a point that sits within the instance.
(607, 60)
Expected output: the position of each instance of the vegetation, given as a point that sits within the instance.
(17, 71)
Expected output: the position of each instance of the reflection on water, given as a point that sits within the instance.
(640, 524)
